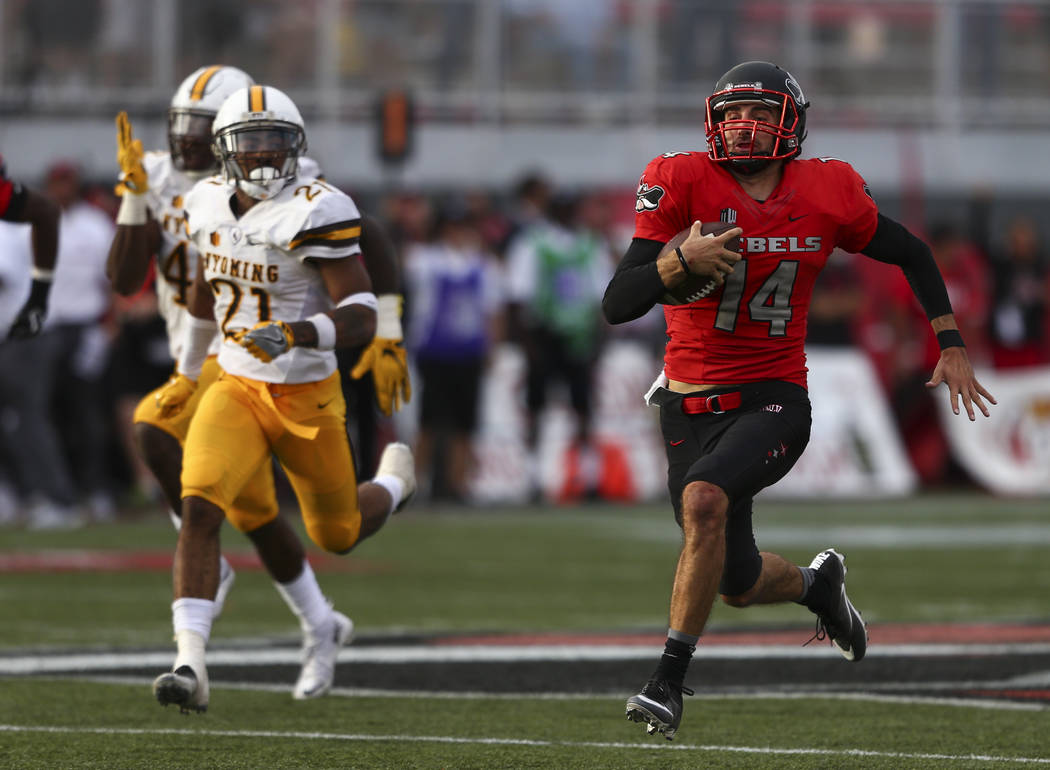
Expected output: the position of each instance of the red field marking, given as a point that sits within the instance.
(157, 561)
(941, 633)
(1025, 694)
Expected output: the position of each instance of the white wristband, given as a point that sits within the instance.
(196, 340)
(325, 327)
(133, 209)
(40, 274)
(388, 317)
(366, 298)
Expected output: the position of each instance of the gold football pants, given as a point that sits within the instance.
(241, 422)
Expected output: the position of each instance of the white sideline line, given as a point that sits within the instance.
(663, 746)
(400, 654)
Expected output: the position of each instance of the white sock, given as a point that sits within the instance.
(188, 614)
(304, 597)
(393, 485)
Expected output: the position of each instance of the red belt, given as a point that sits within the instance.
(719, 403)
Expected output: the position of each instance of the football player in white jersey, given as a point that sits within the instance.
(151, 222)
(282, 281)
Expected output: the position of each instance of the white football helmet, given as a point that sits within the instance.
(192, 111)
(259, 137)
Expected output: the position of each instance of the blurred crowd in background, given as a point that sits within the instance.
(524, 267)
(522, 263)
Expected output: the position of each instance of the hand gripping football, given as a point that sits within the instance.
(695, 287)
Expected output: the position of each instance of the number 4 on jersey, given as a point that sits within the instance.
(770, 304)
(175, 271)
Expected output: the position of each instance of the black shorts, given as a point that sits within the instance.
(451, 393)
(741, 450)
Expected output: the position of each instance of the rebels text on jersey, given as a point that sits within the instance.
(754, 327)
(257, 268)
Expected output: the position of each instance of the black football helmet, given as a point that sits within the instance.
(757, 81)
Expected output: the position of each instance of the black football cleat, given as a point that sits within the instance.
(840, 622)
(659, 704)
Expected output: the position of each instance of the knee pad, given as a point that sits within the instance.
(334, 536)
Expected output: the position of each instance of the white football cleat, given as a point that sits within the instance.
(397, 461)
(185, 687)
(226, 578)
(320, 651)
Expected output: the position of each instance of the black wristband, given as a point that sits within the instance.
(38, 291)
(950, 338)
(685, 265)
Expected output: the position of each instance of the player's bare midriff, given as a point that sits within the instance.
(691, 387)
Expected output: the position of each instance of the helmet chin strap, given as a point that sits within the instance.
(748, 166)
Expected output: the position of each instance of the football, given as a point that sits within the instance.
(695, 287)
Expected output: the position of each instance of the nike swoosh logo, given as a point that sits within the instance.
(677, 443)
(795, 219)
(326, 403)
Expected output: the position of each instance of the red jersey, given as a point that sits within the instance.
(754, 327)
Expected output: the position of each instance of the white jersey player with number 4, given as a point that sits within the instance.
(176, 258)
(256, 266)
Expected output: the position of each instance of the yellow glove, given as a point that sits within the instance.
(389, 365)
(133, 178)
(266, 340)
(173, 395)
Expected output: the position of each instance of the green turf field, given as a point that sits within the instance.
(944, 559)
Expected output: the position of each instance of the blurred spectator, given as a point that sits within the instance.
(966, 275)
(81, 300)
(1021, 285)
(454, 298)
(906, 365)
(59, 397)
(836, 304)
(557, 270)
(493, 225)
(532, 195)
(408, 217)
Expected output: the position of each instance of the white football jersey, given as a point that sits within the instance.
(258, 270)
(177, 256)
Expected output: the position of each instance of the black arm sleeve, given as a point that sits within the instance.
(895, 245)
(635, 286)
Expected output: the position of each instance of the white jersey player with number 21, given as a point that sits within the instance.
(282, 281)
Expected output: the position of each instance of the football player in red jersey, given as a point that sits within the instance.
(20, 204)
(734, 408)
